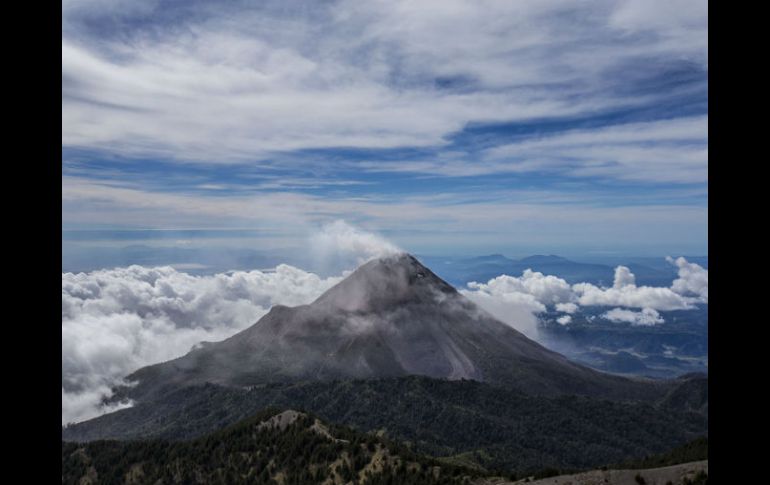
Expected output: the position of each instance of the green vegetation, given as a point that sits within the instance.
(695, 450)
(500, 431)
(249, 454)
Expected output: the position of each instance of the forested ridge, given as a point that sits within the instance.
(464, 422)
(304, 451)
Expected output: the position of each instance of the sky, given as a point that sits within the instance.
(449, 127)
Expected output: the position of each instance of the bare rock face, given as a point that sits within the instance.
(281, 421)
(390, 317)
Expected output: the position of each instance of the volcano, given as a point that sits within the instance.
(391, 317)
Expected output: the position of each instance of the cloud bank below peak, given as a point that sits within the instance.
(116, 321)
(518, 300)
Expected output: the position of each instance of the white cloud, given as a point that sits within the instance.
(623, 277)
(519, 310)
(631, 296)
(235, 86)
(667, 17)
(564, 320)
(647, 316)
(625, 293)
(518, 300)
(567, 307)
(663, 151)
(450, 217)
(693, 279)
(548, 290)
(85, 404)
(116, 321)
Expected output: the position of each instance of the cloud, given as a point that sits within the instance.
(567, 307)
(653, 151)
(224, 84)
(116, 321)
(490, 217)
(519, 310)
(647, 316)
(693, 279)
(631, 296)
(624, 292)
(547, 290)
(623, 277)
(87, 403)
(518, 300)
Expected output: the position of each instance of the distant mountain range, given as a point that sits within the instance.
(458, 271)
(648, 271)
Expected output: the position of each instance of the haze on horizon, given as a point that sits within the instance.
(450, 127)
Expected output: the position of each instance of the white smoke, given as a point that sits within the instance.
(341, 237)
(339, 246)
(116, 321)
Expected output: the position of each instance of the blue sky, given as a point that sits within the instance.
(449, 127)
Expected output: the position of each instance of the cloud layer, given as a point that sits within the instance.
(536, 121)
(116, 321)
(518, 300)
(232, 83)
(647, 316)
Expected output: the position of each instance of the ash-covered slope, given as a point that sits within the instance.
(390, 317)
